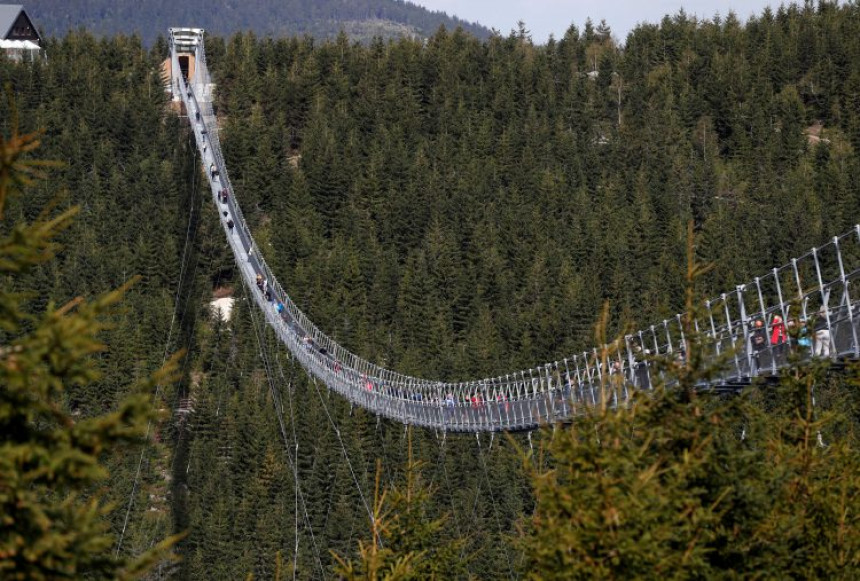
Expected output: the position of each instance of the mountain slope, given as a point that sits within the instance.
(361, 19)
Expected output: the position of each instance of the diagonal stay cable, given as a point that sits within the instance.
(276, 401)
(380, 433)
(289, 383)
(495, 507)
(454, 515)
(345, 453)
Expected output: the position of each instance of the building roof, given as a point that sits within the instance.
(12, 14)
(8, 15)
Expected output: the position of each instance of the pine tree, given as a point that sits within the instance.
(50, 458)
(405, 536)
(684, 485)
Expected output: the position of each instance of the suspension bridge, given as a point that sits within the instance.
(748, 326)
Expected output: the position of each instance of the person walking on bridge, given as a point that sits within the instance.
(822, 334)
(759, 343)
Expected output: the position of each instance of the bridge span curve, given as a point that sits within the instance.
(748, 324)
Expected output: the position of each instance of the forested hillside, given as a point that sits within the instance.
(453, 209)
(129, 167)
(360, 19)
(466, 207)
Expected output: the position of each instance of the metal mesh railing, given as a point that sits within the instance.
(749, 325)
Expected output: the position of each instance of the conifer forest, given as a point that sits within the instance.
(452, 208)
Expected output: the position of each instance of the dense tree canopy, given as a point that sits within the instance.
(454, 208)
(54, 518)
(447, 207)
(126, 167)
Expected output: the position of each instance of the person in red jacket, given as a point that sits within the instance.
(778, 338)
(778, 332)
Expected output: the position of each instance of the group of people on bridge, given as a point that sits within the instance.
(782, 336)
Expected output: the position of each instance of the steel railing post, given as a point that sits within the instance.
(847, 295)
(825, 300)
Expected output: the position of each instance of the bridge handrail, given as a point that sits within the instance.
(556, 390)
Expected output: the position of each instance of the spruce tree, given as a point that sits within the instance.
(52, 459)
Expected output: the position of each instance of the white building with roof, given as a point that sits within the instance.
(19, 38)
